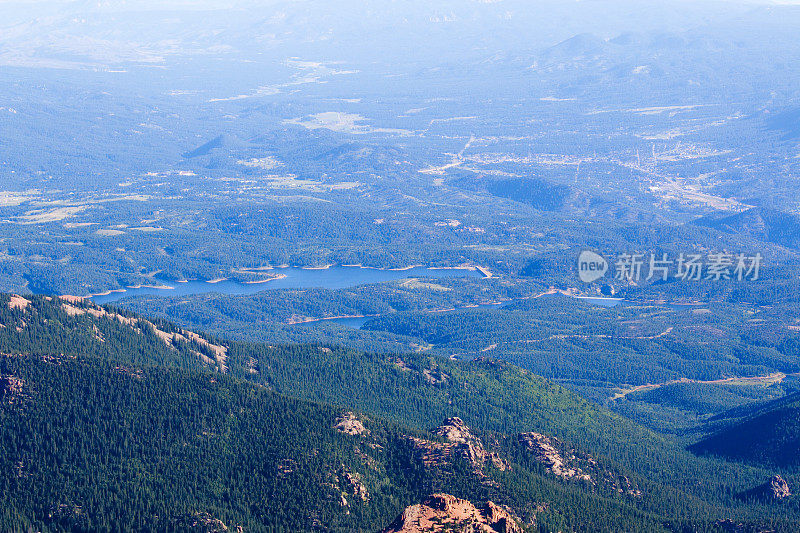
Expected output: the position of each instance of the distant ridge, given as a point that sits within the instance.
(759, 222)
(769, 438)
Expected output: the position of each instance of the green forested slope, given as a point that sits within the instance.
(90, 446)
(115, 410)
(769, 437)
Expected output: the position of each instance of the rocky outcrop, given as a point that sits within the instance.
(346, 487)
(18, 302)
(11, 388)
(205, 523)
(350, 425)
(567, 463)
(399, 363)
(775, 489)
(354, 483)
(460, 442)
(544, 450)
(435, 376)
(468, 445)
(443, 512)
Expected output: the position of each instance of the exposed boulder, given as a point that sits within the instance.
(443, 512)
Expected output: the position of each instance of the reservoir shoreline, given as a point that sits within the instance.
(286, 277)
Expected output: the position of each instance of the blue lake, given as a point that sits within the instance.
(602, 302)
(338, 277)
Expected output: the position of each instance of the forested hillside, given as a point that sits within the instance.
(98, 403)
(90, 445)
(768, 436)
(670, 366)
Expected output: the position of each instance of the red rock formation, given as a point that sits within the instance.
(443, 512)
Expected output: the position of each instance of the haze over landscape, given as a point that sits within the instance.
(449, 265)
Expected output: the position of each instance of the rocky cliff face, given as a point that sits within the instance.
(443, 512)
(460, 442)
